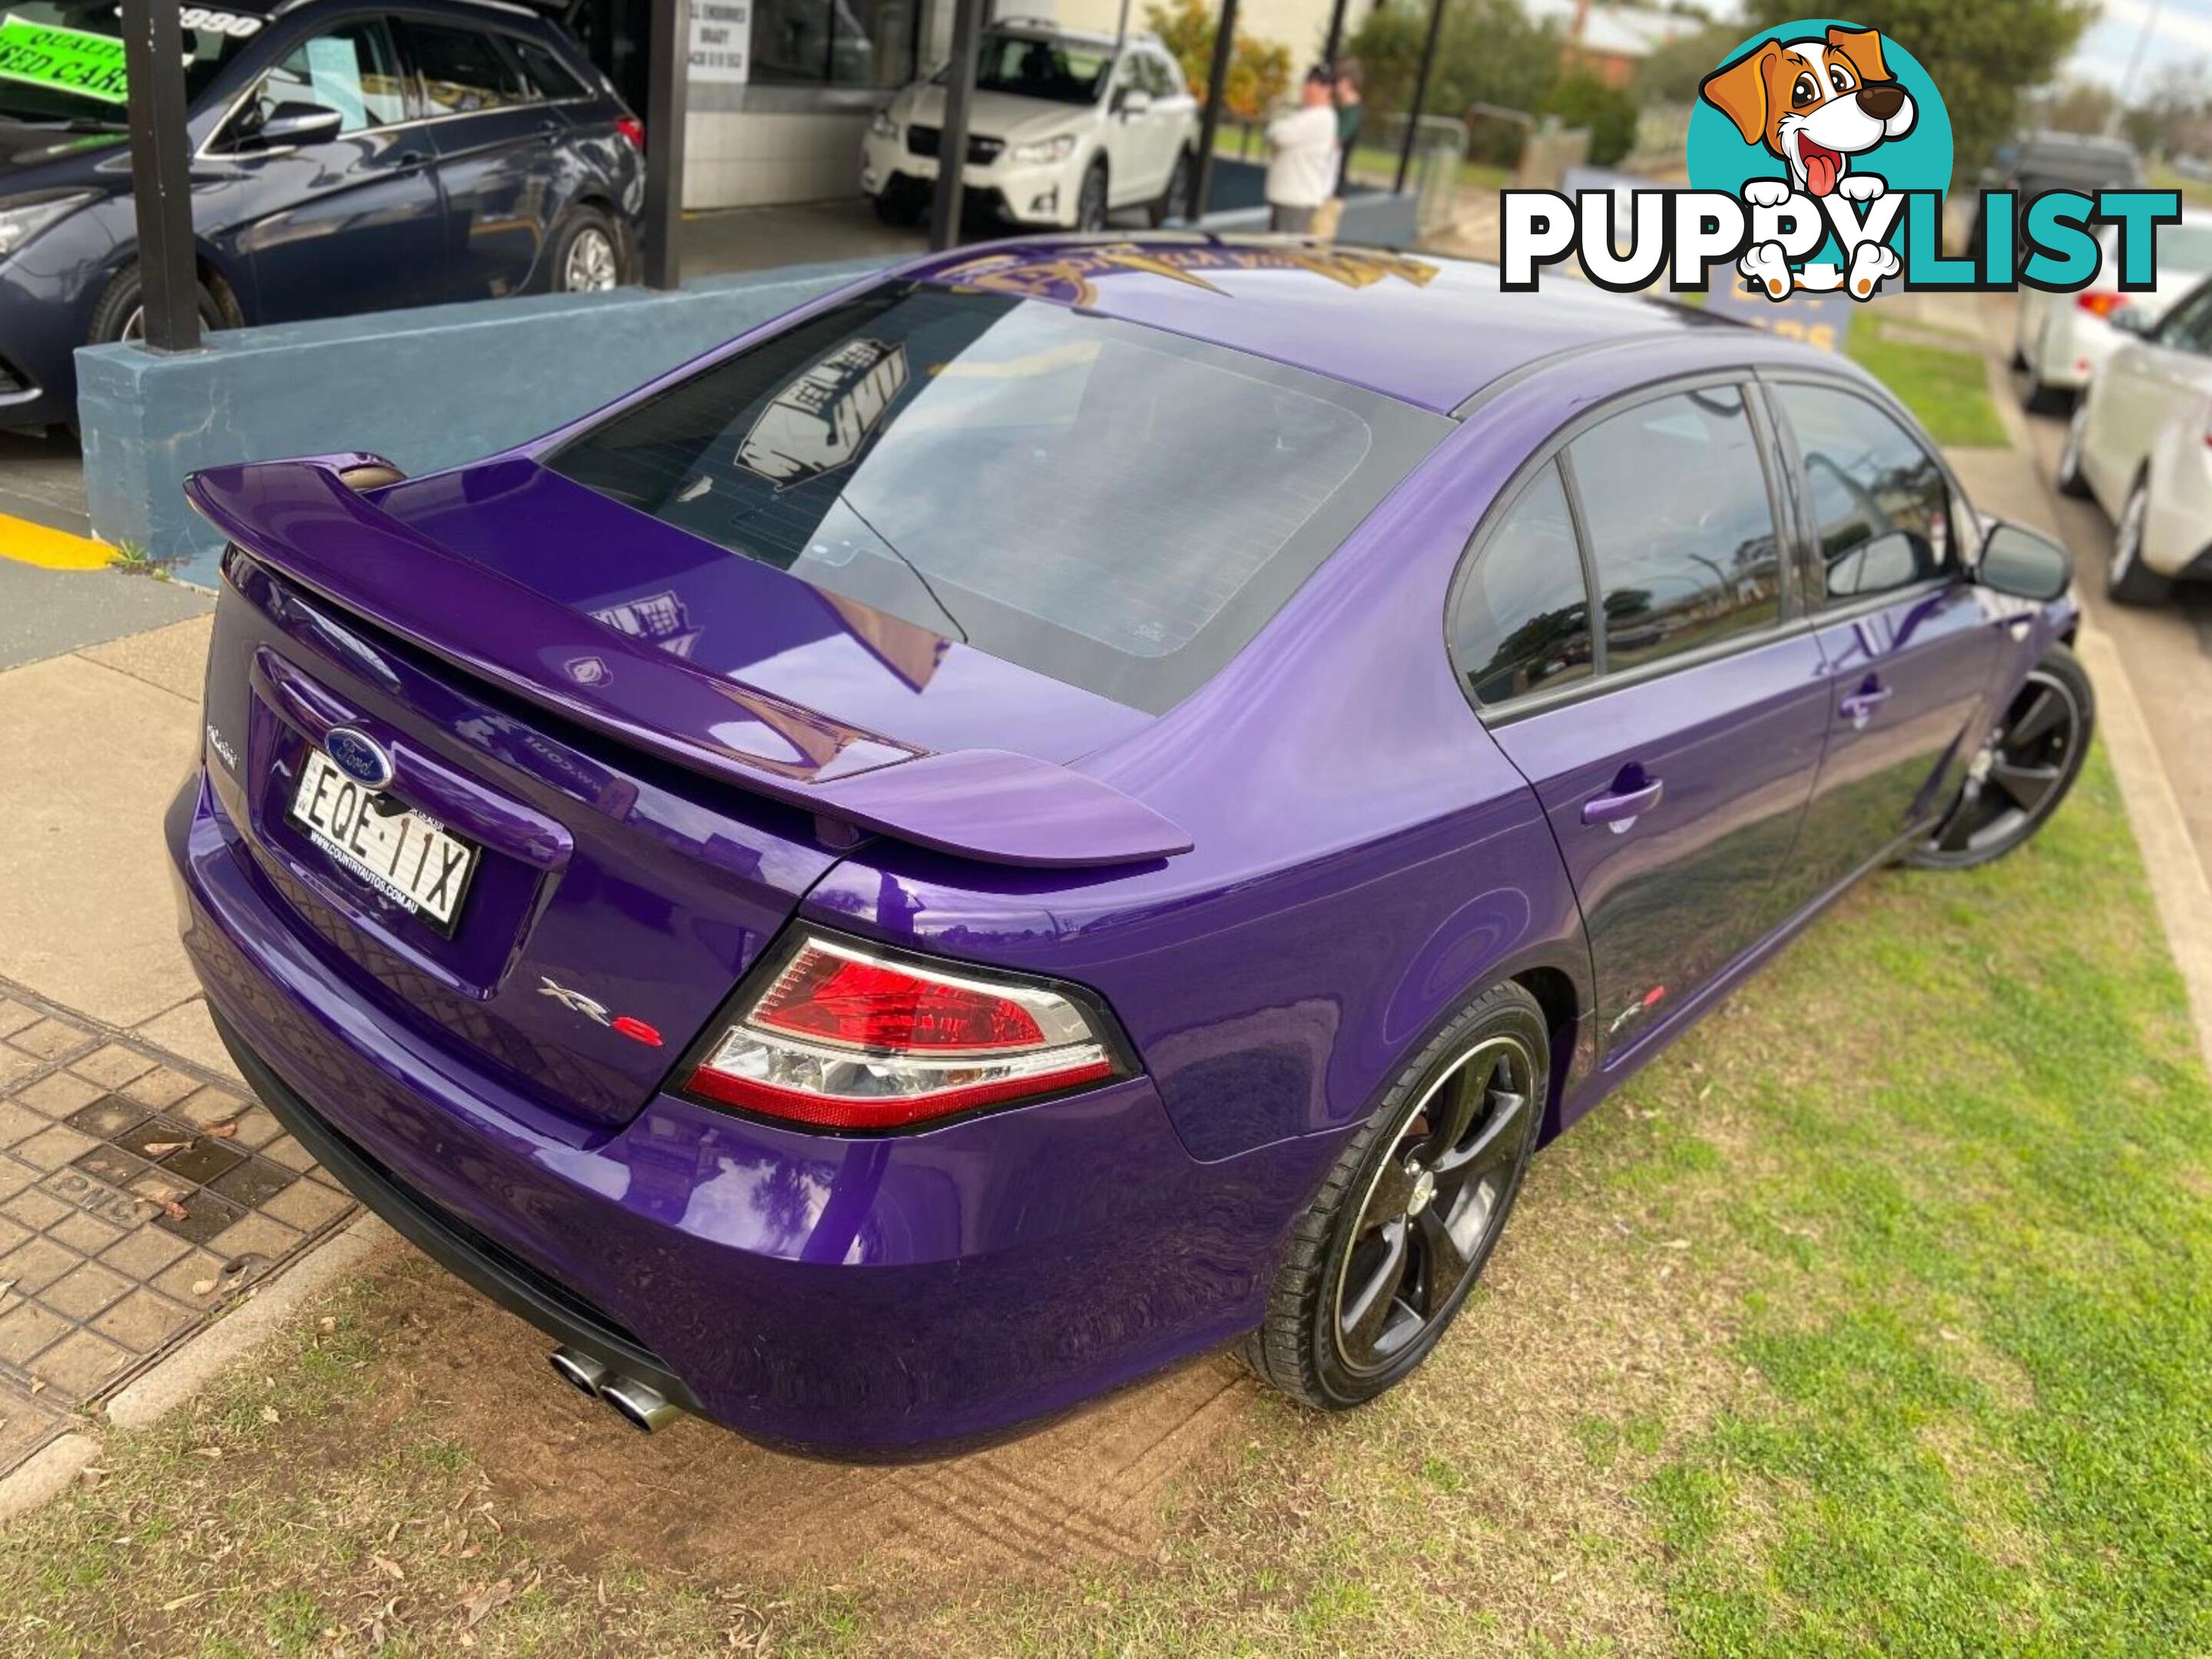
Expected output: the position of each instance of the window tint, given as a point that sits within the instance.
(1881, 507)
(1064, 72)
(1680, 528)
(463, 70)
(352, 70)
(1106, 503)
(550, 77)
(1162, 78)
(1522, 617)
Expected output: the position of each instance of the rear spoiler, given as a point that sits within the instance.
(302, 519)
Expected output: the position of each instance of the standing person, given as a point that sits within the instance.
(1302, 155)
(1351, 114)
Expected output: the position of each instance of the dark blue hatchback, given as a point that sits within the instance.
(346, 157)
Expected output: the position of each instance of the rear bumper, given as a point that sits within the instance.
(870, 1297)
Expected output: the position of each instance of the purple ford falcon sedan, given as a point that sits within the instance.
(1071, 804)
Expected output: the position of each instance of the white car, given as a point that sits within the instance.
(2141, 444)
(1064, 126)
(2059, 339)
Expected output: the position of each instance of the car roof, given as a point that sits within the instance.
(1428, 331)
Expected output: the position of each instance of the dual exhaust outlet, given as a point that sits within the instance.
(636, 1403)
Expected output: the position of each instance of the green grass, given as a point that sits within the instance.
(2195, 192)
(1946, 389)
(1872, 1319)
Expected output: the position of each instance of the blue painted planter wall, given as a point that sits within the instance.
(426, 388)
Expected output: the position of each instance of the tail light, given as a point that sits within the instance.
(2099, 302)
(632, 128)
(843, 1037)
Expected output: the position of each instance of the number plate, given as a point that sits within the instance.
(413, 860)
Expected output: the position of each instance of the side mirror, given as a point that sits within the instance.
(297, 123)
(1134, 100)
(2024, 564)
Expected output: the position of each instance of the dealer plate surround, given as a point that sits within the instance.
(406, 855)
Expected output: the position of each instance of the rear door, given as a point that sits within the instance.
(1673, 747)
(496, 141)
(1911, 645)
(354, 223)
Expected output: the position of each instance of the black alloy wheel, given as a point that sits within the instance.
(1381, 1263)
(2019, 777)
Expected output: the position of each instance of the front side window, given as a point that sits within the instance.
(352, 69)
(1116, 506)
(463, 70)
(1880, 504)
(1521, 618)
(1680, 525)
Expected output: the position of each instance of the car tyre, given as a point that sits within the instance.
(1385, 1256)
(2069, 478)
(1175, 200)
(899, 206)
(589, 254)
(2020, 775)
(1091, 199)
(2127, 580)
(117, 315)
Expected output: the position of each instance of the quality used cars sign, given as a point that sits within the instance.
(1819, 152)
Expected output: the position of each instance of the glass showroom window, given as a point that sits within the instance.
(839, 43)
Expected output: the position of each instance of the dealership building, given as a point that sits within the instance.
(780, 92)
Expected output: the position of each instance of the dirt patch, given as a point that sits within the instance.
(591, 1490)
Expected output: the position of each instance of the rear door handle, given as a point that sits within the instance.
(1861, 706)
(1620, 809)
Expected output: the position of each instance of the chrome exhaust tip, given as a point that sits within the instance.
(641, 1407)
(579, 1370)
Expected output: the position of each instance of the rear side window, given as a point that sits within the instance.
(1880, 505)
(1680, 525)
(1116, 507)
(1521, 618)
(463, 70)
(551, 77)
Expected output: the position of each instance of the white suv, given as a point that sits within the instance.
(1063, 126)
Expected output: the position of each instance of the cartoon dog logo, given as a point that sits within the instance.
(1817, 104)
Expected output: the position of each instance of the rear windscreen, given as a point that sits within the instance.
(1116, 506)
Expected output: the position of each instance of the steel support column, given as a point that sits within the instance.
(952, 137)
(1224, 43)
(666, 98)
(1420, 96)
(161, 174)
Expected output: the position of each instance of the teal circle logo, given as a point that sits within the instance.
(1761, 105)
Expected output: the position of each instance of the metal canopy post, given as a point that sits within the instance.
(1335, 34)
(1224, 41)
(953, 137)
(666, 88)
(161, 174)
(1420, 97)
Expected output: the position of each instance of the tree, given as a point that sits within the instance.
(1609, 112)
(1490, 53)
(1674, 70)
(1984, 56)
(2171, 117)
(1259, 71)
(2076, 107)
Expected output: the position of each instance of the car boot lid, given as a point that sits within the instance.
(303, 519)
